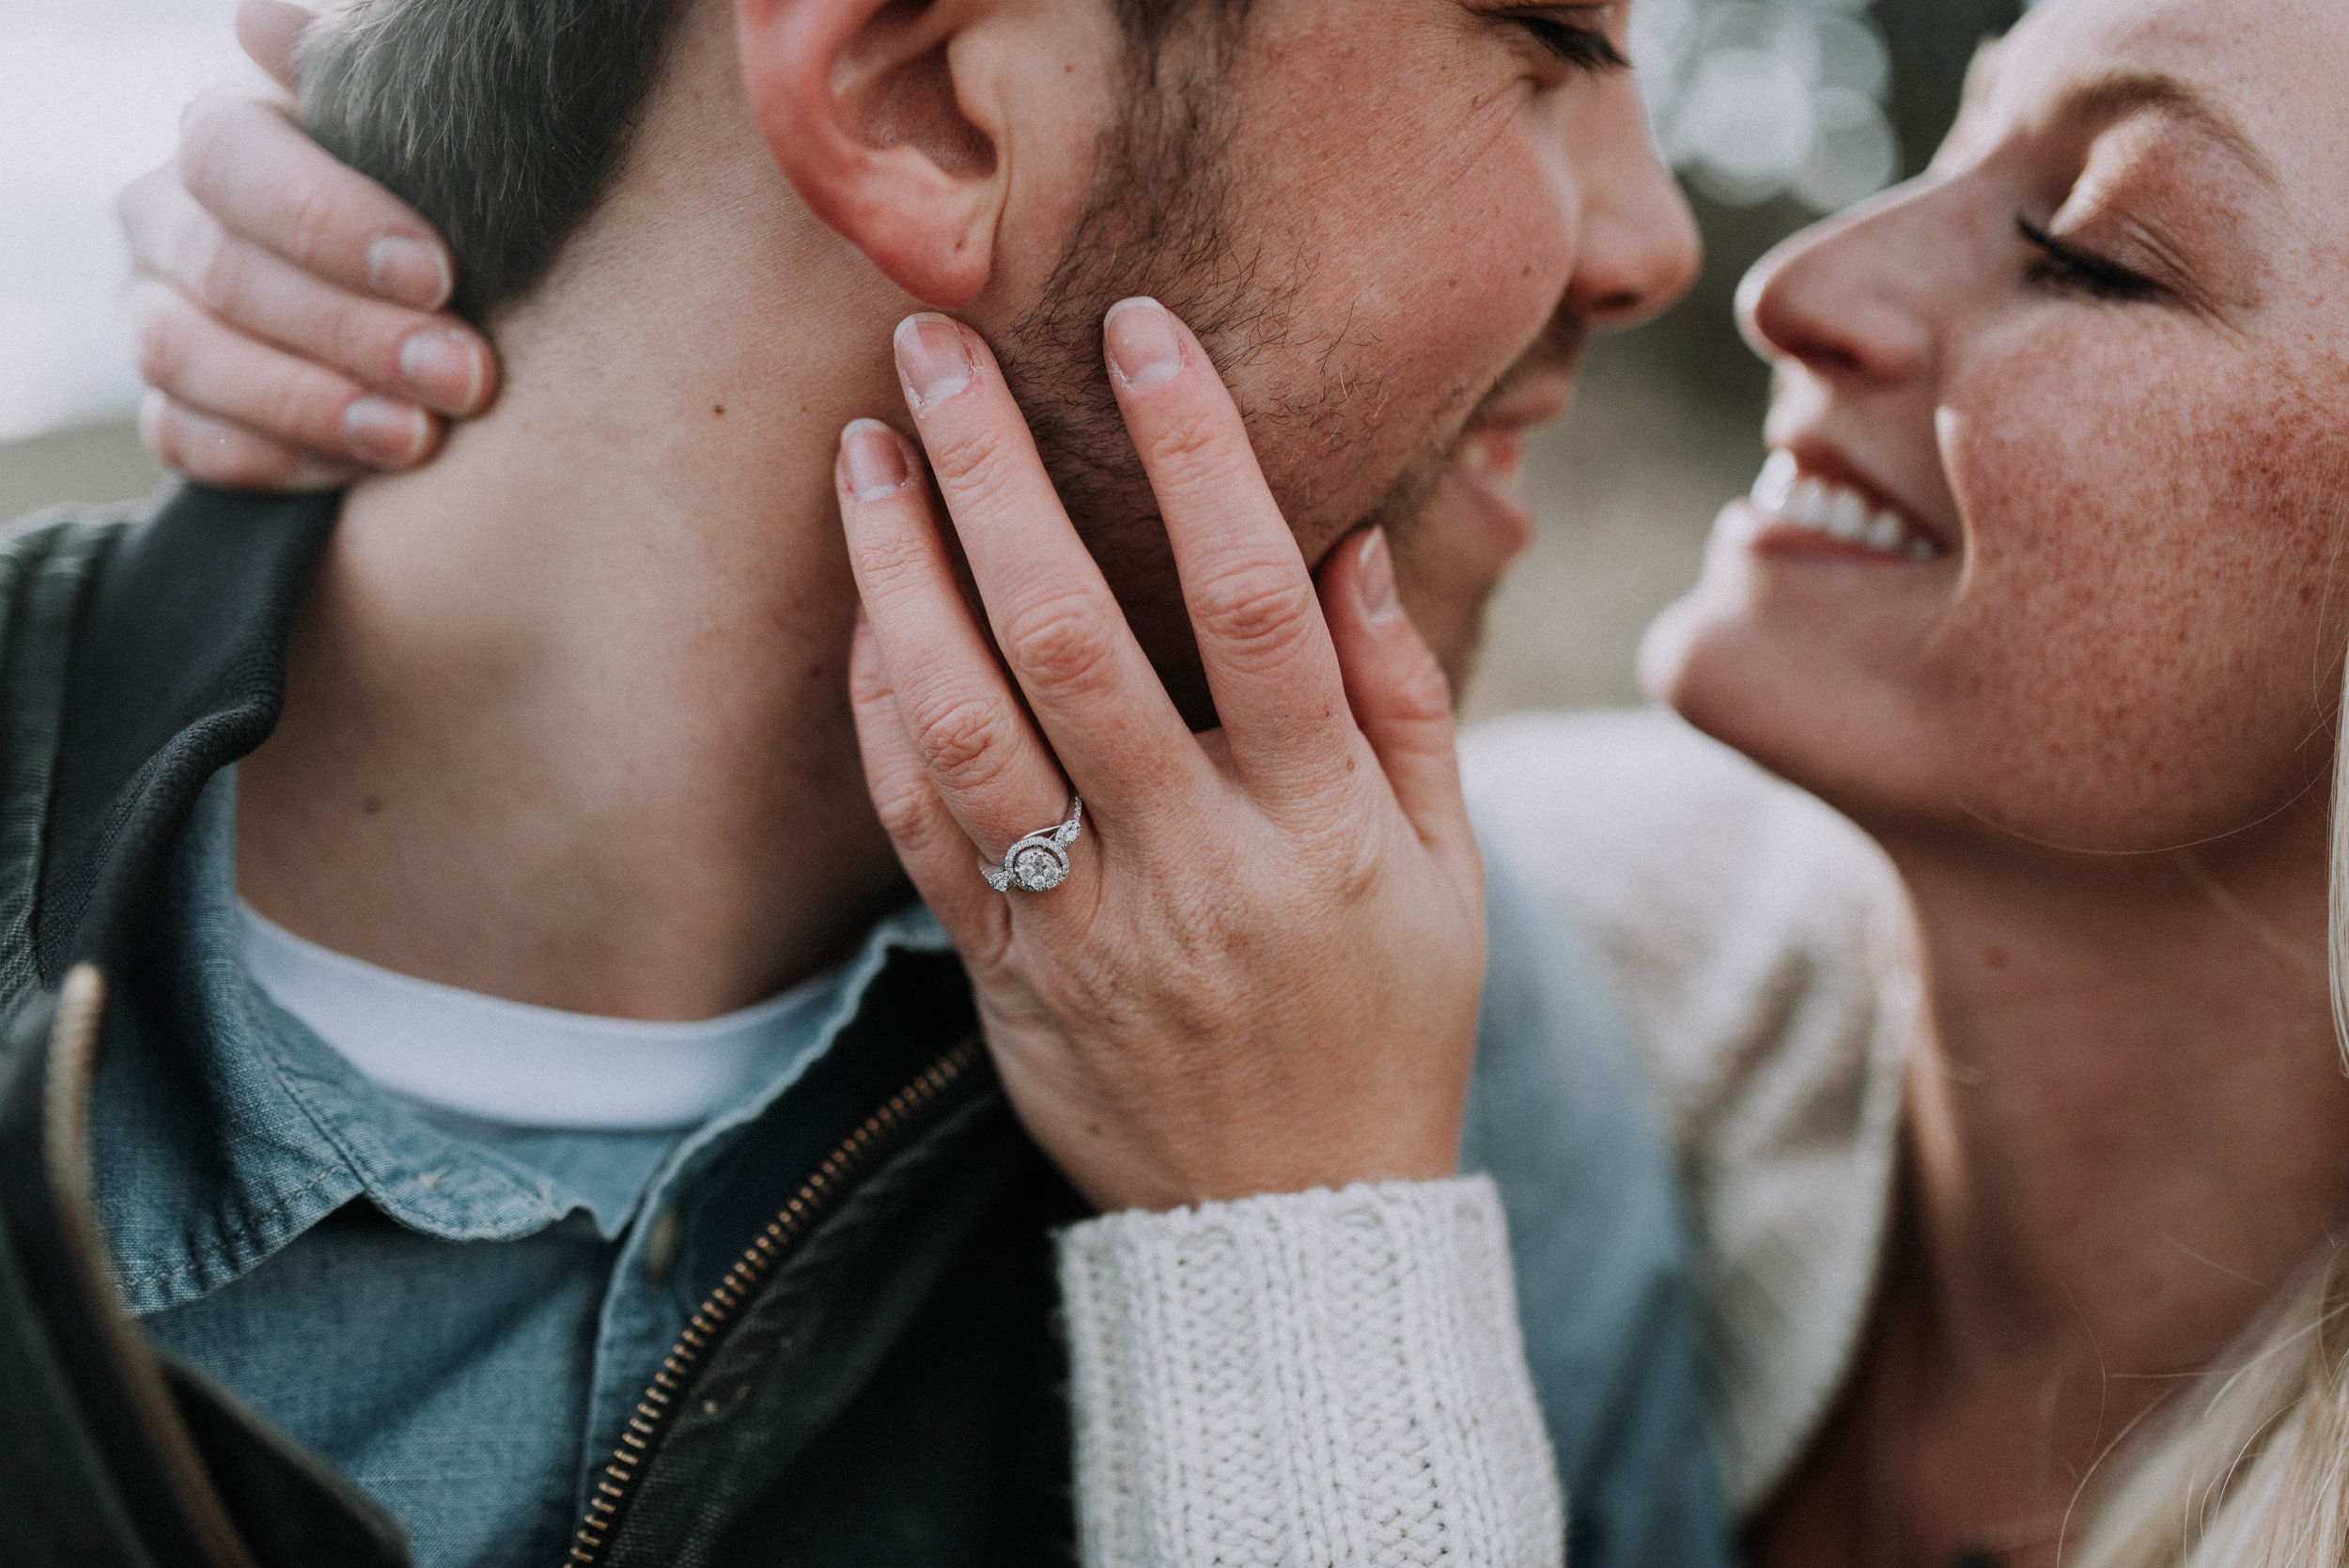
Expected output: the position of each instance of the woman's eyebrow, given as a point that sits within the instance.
(2125, 93)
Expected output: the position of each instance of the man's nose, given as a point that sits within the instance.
(1639, 249)
(1840, 298)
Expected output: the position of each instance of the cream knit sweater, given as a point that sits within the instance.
(1337, 1378)
(1312, 1378)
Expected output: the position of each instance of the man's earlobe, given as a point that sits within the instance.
(860, 105)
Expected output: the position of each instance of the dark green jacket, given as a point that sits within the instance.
(877, 1380)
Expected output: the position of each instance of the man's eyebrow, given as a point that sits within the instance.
(2123, 93)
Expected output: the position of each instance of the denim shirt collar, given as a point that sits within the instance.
(223, 1128)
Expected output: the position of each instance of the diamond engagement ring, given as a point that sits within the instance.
(1038, 862)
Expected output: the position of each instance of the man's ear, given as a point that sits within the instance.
(859, 104)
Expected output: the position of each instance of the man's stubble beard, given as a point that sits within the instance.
(1164, 221)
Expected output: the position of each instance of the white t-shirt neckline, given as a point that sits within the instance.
(508, 1063)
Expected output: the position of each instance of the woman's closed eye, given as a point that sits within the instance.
(2065, 265)
(1576, 35)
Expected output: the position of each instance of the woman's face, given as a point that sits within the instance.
(2051, 540)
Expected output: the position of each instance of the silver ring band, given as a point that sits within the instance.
(1039, 862)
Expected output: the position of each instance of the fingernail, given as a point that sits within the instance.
(408, 271)
(875, 460)
(933, 358)
(443, 368)
(1142, 341)
(1377, 586)
(385, 433)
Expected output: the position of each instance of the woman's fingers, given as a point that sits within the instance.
(411, 355)
(1398, 692)
(932, 845)
(266, 182)
(1253, 605)
(984, 760)
(287, 301)
(206, 366)
(1061, 630)
(214, 452)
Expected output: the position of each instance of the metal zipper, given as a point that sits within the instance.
(875, 1135)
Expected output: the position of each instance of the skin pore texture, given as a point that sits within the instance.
(567, 719)
(2092, 726)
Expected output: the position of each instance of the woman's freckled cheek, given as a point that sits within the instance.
(2136, 629)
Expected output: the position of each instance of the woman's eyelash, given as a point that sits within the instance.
(1584, 48)
(2062, 266)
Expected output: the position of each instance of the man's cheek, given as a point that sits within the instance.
(1444, 337)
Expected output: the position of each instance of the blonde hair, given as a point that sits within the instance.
(2250, 1469)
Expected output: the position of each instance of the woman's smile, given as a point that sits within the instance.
(1795, 509)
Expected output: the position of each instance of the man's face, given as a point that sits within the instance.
(1391, 221)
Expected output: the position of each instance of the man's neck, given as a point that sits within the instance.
(2131, 1129)
(566, 717)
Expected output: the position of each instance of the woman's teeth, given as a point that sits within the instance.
(1842, 514)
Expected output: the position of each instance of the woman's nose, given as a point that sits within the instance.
(1640, 250)
(1840, 298)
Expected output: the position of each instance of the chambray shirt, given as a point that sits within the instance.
(462, 1321)
(465, 1342)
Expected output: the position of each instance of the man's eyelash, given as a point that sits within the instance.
(1584, 48)
(2062, 266)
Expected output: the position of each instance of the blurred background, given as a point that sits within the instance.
(1773, 112)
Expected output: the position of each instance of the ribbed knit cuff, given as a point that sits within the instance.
(1309, 1378)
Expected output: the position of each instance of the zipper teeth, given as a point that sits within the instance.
(620, 1476)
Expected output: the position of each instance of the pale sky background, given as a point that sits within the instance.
(90, 94)
(1751, 97)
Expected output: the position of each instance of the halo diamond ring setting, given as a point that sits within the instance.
(1039, 862)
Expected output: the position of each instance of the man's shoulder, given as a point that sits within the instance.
(130, 632)
(47, 561)
(1562, 1117)
(67, 515)
(1586, 799)
(1762, 946)
(1719, 898)
(62, 541)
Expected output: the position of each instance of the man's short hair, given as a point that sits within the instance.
(502, 122)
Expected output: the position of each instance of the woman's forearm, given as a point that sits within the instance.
(1314, 1377)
